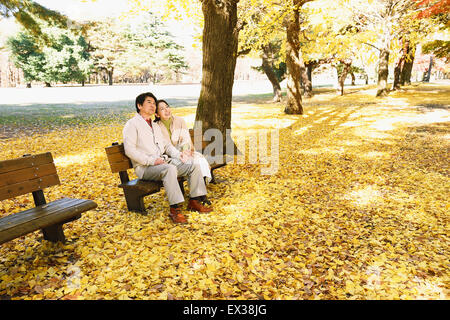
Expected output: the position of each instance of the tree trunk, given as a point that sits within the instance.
(110, 76)
(400, 64)
(294, 62)
(267, 65)
(428, 74)
(309, 69)
(352, 74)
(343, 75)
(407, 68)
(306, 77)
(220, 44)
(383, 72)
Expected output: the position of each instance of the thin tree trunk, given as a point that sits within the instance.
(110, 76)
(428, 74)
(293, 64)
(343, 75)
(220, 44)
(267, 65)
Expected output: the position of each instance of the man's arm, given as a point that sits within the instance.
(130, 136)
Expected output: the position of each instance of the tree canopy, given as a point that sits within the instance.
(28, 13)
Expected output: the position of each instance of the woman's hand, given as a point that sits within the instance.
(188, 153)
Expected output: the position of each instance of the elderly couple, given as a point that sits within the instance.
(162, 150)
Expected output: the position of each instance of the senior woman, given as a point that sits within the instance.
(175, 130)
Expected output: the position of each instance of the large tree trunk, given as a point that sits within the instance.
(294, 62)
(383, 72)
(400, 64)
(267, 65)
(220, 44)
(407, 68)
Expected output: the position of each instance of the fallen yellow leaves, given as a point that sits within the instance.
(355, 211)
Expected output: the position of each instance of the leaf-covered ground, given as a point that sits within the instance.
(357, 210)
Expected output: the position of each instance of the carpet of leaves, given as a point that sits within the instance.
(358, 209)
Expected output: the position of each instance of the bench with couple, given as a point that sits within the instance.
(162, 150)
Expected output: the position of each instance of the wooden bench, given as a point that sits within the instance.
(135, 190)
(204, 143)
(31, 174)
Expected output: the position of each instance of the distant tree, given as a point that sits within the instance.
(141, 51)
(384, 19)
(438, 10)
(63, 59)
(107, 43)
(154, 51)
(27, 56)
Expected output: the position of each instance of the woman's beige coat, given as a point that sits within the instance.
(180, 132)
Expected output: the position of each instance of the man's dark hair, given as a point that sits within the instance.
(141, 98)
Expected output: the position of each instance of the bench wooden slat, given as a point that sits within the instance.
(56, 212)
(13, 177)
(120, 166)
(25, 162)
(21, 188)
(143, 185)
(117, 157)
(115, 149)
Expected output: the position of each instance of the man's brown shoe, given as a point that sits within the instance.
(176, 215)
(197, 206)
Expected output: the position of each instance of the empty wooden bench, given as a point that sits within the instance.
(32, 174)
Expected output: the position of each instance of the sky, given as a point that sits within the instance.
(78, 10)
(92, 10)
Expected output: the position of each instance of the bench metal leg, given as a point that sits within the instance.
(135, 201)
(54, 233)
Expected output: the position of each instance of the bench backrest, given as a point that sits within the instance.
(27, 174)
(117, 159)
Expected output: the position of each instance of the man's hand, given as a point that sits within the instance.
(159, 161)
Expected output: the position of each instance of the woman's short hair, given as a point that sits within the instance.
(156, 112)
(141, 98)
